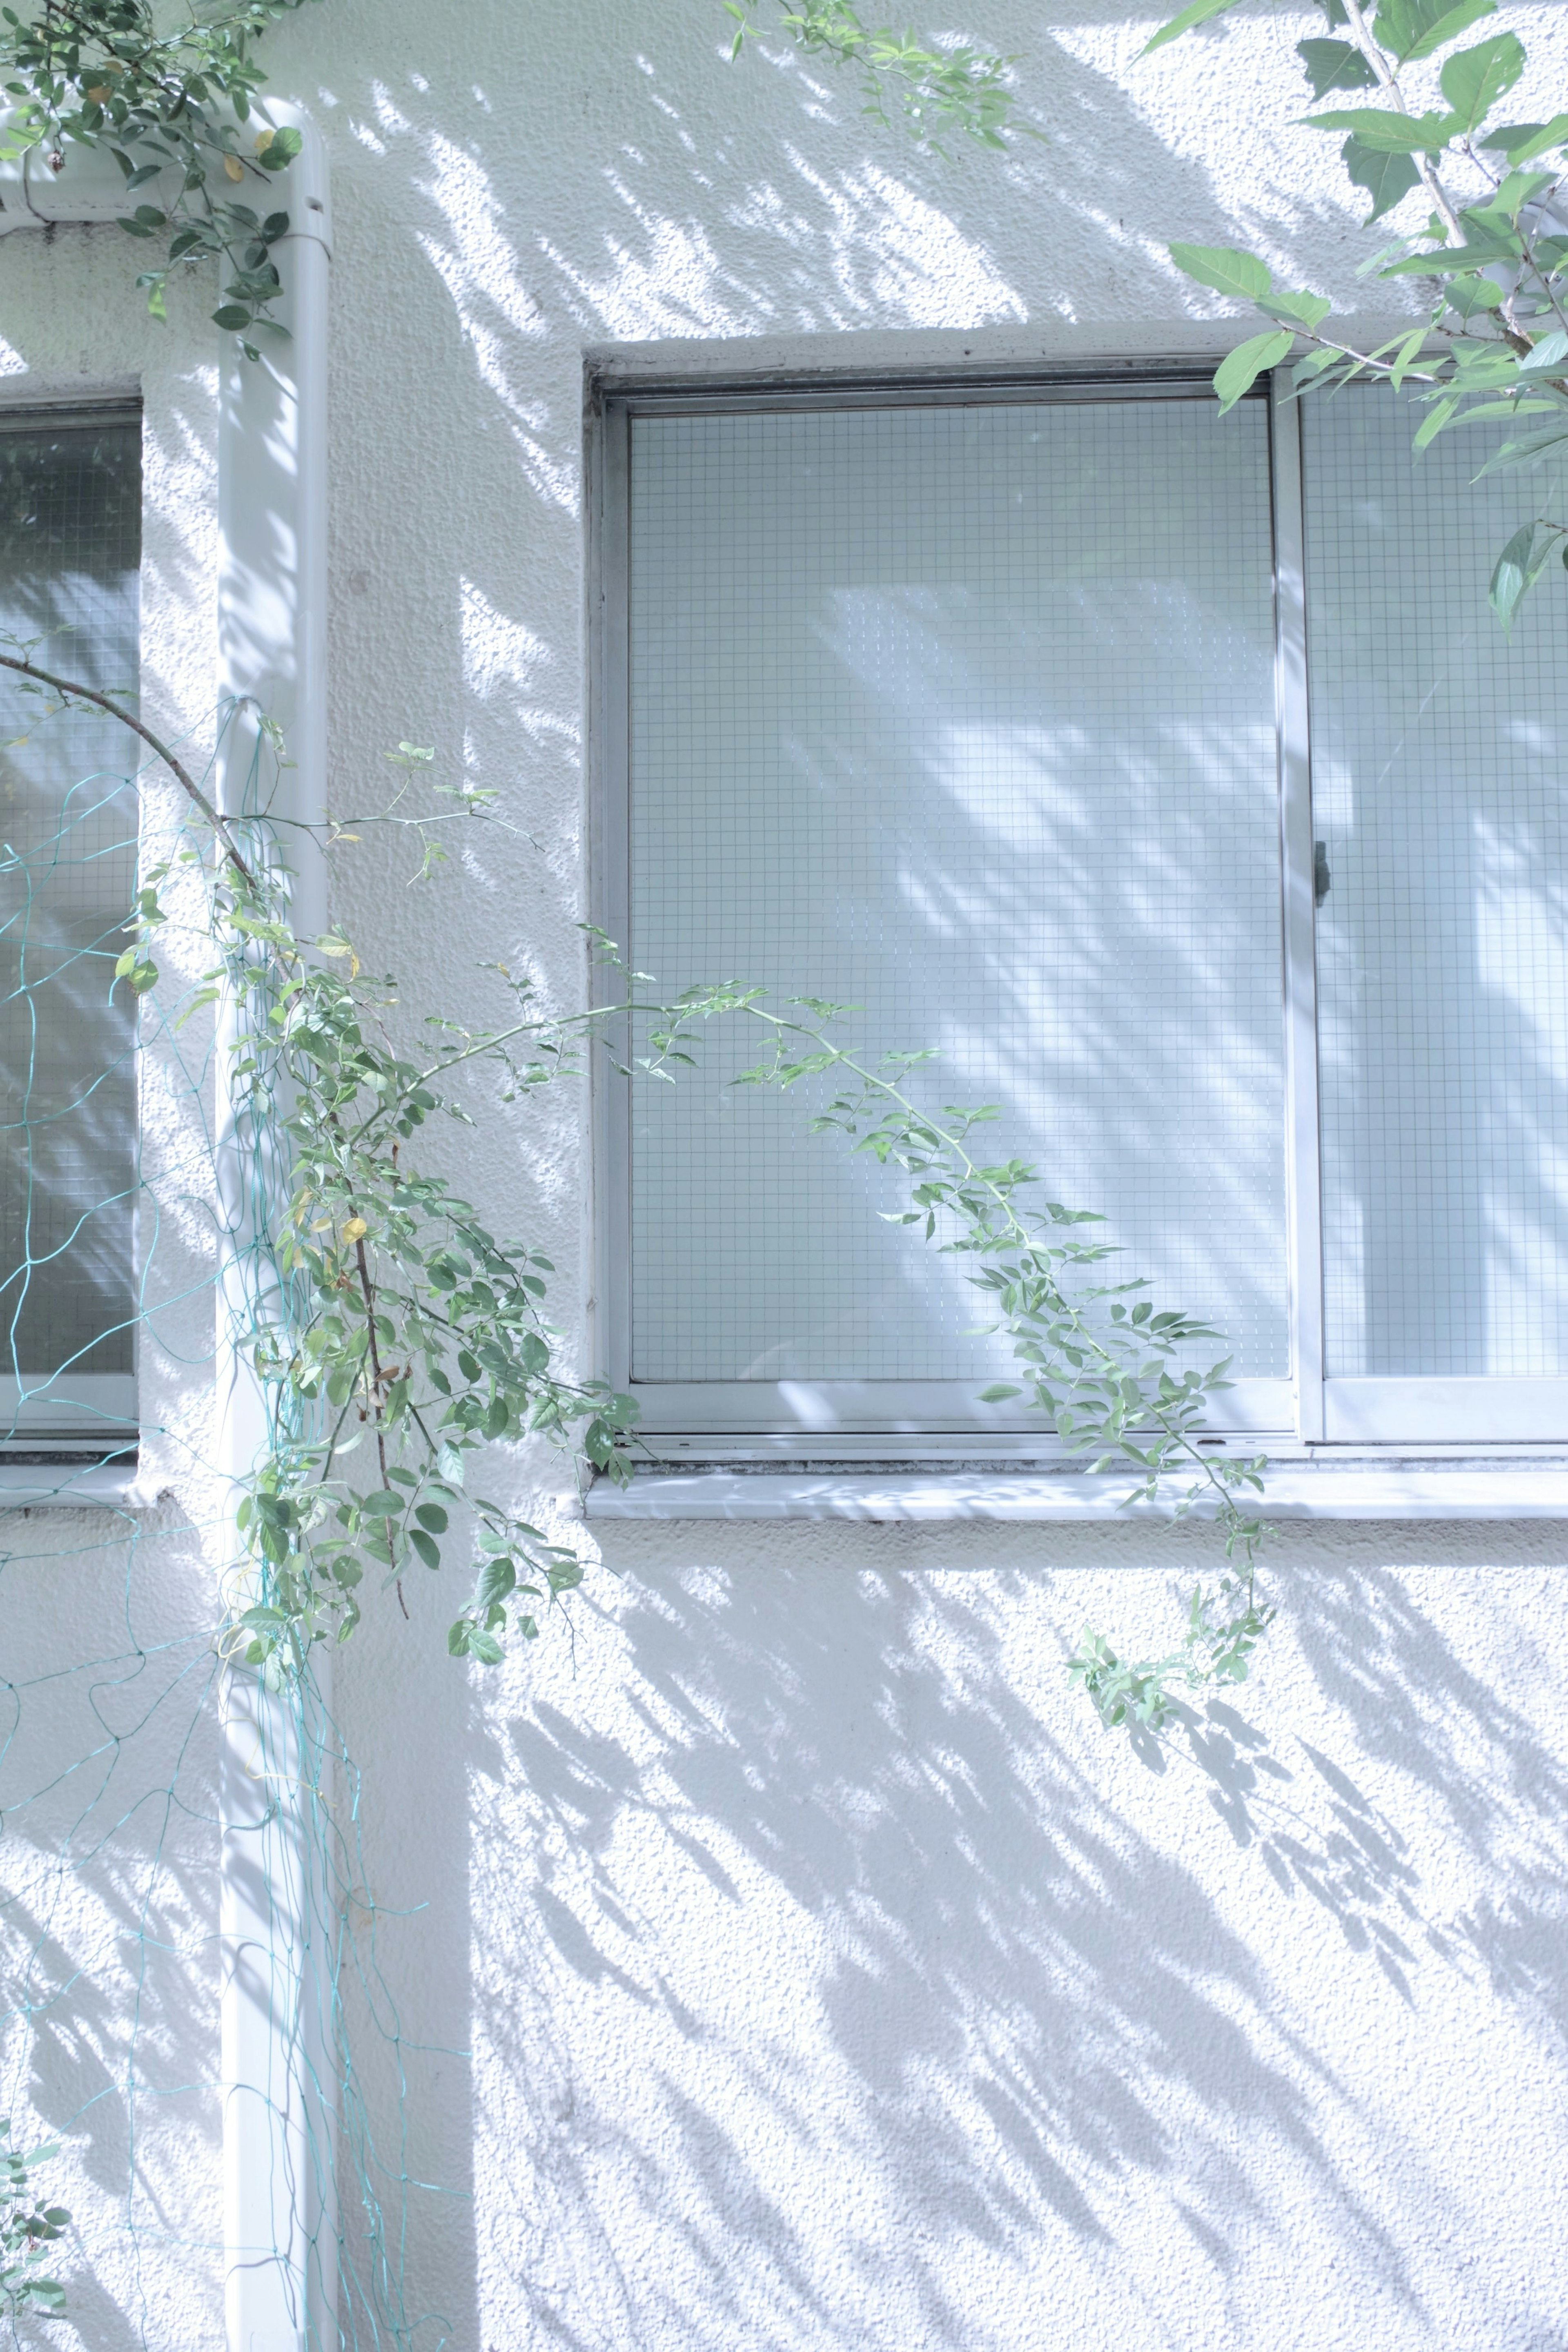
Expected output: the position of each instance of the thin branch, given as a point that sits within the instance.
(1389, 79)
(107, 703)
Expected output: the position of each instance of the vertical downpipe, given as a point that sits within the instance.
(280, 2219)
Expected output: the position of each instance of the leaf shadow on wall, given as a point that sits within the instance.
(867, 1901)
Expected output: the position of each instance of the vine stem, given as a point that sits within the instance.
(186, 782)
(1016, 1230)
(1389, 78)
(368, 1295)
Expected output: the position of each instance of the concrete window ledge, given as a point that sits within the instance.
(1495, 1492)
(64, 1486)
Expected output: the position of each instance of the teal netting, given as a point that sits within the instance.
(118, 1558)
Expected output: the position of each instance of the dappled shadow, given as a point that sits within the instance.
(864, 1897)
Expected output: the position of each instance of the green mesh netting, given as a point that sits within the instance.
(110, 1618)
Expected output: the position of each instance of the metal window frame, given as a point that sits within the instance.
(846, 1421)
(72, 1418)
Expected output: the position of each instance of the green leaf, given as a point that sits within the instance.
(231, 317)
(449, 1461)
(1239, 372)
(1527, 450)
(997, 1390)
(425, 1545)
(1405, 359)
(1448, 26)
(1386, 134)
(458, 1637)
(1452, 261)
(497, 1579)
(1384, 177)
(1199, 14)
(1473, 81)
(1227, 270)
(1337, 65)
(1468, 295)
(1400, 24)
(1311, 309)
(432, 1516)
(1521, 143)
(1518, 568)
(381, 1505)
(484, 1647)
(1433, 421)
(1546, 356)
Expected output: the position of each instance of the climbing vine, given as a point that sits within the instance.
(412, 1335)
(173, 108)
(29, 2232)
(1489, 263)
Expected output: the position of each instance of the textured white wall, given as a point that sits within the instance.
(794, 1963)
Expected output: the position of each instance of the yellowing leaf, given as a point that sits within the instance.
(355, 1230)
(233, 167)
(264, 141)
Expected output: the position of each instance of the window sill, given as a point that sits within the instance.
(1495, 1491)
(69, 1487)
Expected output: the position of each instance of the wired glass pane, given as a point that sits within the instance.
(70, 505)
(965, 717)
(1439, 794)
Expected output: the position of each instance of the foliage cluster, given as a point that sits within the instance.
(956, 87)
(415, 1337)
(405, 1336)
(173, 108)
(27, 2231)
(1489, 263)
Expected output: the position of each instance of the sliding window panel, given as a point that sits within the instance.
(1440, 801)
(962, 716)
(70, 505)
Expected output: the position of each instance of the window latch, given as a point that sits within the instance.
(1321, 878)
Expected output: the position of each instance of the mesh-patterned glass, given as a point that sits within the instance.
(963, 716)
(70, 510)
(1438, 792)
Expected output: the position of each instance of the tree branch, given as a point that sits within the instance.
(106, 702)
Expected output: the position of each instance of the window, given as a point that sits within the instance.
(69, 551)
(1000, 712)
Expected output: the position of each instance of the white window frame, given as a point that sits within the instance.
(847, 1421)
(77, 1415)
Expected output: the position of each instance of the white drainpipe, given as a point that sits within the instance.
(279, 2118)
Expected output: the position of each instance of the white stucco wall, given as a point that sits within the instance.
(794, 1962)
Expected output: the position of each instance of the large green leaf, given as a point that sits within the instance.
(1199, 14)
(1388, 134)
(1408, 27)
(1384, 177)
(1335, 65)
(1468, 295)
(1550, 352)
(1527, 450)
(1237, 374)
(1452, 261)
(1224, 268)
(1311, 309)
(1475, 79)
(1518, 568)
(1447, 28)
(1522, 142)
